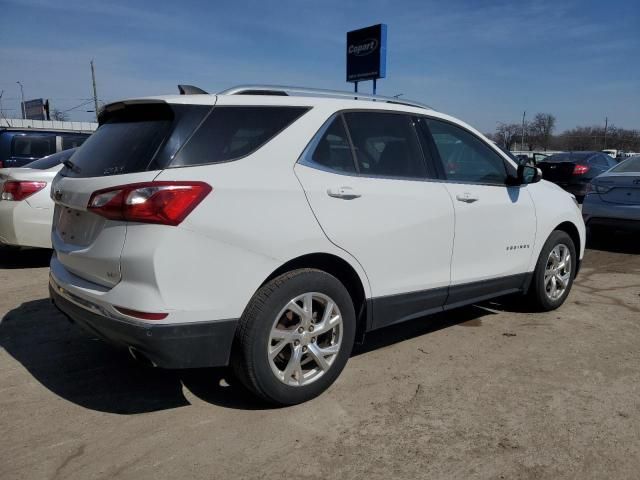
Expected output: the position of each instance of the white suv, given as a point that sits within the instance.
(270, 227)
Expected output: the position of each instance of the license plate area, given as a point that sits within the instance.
(76, 227)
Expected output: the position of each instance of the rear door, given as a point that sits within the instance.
(495, 224)
(382, 209)
(133, 144)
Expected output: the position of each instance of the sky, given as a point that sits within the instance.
(482, 61)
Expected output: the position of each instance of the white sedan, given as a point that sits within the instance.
(26, 208)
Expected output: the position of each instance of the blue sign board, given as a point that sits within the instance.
(367, 53)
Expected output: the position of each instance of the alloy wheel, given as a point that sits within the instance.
(305, 339)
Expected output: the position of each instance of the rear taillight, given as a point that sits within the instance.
(580, 169)
(16, 191)
(166, 203)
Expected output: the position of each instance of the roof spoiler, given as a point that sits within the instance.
(191, 90)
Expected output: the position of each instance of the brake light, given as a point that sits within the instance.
(16, 191)
(142, 315)
(165, 203)
(580, 169)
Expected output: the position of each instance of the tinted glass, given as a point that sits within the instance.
(230, 133)
(135, 138)
(386, 145)
(33, 146)
(569, 157)
(51, 161)
(464, 156)
(72, 141)
(630, 165)
(333, 151)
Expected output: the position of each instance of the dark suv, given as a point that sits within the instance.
(21, 146)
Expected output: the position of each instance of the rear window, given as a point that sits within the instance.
(51, 161)
(135, 138)
(630, 165)
(568, 157)
(33, 146)
(230, 133)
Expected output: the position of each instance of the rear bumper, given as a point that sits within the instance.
(183, 345)
(577, 189)
(615, 223)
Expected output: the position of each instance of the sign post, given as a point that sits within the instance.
(367, 55)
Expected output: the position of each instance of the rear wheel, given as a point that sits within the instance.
(295, 337)
(554, 273)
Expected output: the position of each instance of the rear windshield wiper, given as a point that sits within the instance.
(71, 166)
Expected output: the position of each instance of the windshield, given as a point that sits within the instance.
(51, 161)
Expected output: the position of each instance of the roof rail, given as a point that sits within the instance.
(316, 92)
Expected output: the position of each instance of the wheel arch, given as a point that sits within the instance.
(570, 229)
(343, 271)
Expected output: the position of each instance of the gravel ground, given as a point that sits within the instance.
(489, 391)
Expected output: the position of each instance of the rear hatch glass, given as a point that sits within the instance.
(135, 138)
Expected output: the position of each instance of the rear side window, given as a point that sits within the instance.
(230, 133)
(333, 151)
(135, 138)
(466, 158)
(33, 146)
(386, 144)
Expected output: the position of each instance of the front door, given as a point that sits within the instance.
(495, 223)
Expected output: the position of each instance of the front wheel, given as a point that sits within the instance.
(554, 273)
(295, 337)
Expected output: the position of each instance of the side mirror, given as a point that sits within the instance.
(528, 174)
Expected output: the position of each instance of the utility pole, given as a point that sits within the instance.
(606, 124)
(1, 112)
(522, 137)
(22, 109)
(95, 93)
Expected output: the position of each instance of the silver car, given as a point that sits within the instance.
(613, 198)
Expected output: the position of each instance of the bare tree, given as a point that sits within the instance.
(59, 115)
(541, 129)
(506, 134)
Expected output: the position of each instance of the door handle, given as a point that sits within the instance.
(466, 198)
(345, 193)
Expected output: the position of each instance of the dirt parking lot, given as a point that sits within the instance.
(490, 391)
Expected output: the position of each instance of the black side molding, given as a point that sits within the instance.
(191, 90)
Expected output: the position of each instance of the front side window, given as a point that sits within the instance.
(466, 158)
(386, 144)
(333, 151)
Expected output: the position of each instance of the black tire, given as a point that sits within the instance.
(537, 292)
(250, 359)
